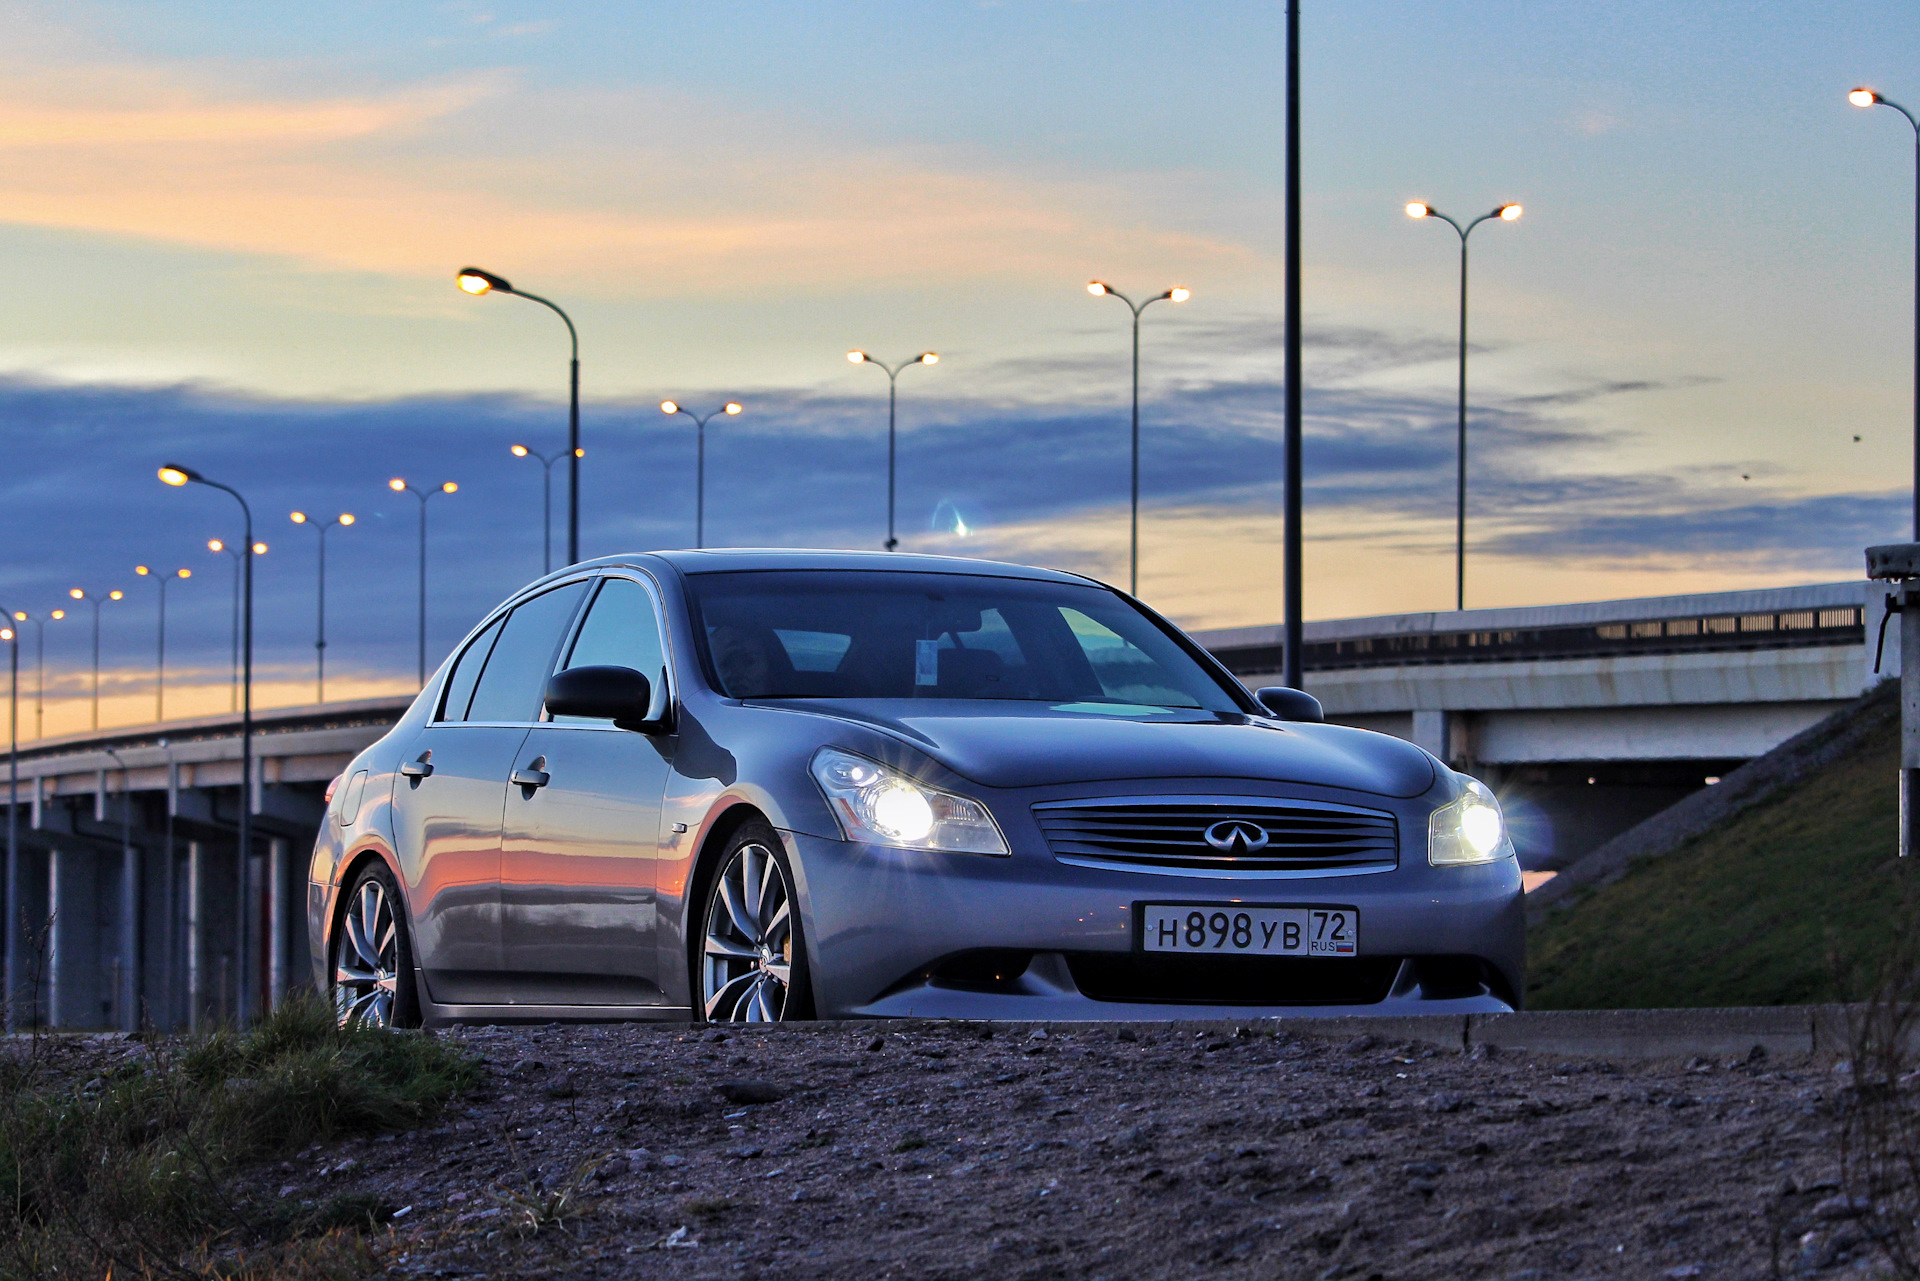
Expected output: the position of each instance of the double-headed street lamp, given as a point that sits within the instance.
(176, 475)
(160, 658)
(1505, 213)
(259, 549)
(320, 628)
(546, 506)
(1868, 98)
(672, 407)
(893, 396)
(1100, 289)
(475, 281)
(96, 600)
(399, 486)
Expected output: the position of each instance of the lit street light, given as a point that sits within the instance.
(259, 549)
(474, 281)
(400, 486)
(893, 396)
(176, 475)
(670, 408)
(1868, 98)
(320, 629)
(1101, 289)
(160, 660)
(96, 600)
(546, 507)
(1505, 213)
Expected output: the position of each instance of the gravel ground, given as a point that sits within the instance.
(942, 1151)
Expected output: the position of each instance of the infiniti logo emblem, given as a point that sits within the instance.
(1237, 836)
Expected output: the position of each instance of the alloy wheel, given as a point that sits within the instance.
(746, 964)
(367, 971)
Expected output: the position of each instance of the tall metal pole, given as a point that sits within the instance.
(15, 923)
(320, 625)
(1460, 477)
(700, 483)
(573, 449)
(422, 663)
(546, 518)
(1291, 553)
(1864, 97)
(96, 662)
(160, 661)
(893, 402)
(1133, 519)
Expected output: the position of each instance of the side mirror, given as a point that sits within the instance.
(618, 694)
(1290, 704)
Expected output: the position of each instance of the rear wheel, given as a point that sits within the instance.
(751, 967)
(373, 956)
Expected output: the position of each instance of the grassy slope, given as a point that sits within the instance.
(1754, 912)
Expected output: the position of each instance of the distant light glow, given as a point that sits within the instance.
(580, 452)
(1097, 288)
(173, 476)
(1178, 294)
(346, 518)
(929, 357)
(733, 407)
(449, 487)
(1509, 212)
(259, 549)
(76, 593)
(116, 595)
(141, 570)
(1418, 209)
(518, 451)
(298, 518)
(857, 357)
(183, 572)
(1863, 97)
(21, 616)
(669, 407)
(397, 485)
(57, 614)
(215, 545)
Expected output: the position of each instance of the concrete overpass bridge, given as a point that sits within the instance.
(130, 895)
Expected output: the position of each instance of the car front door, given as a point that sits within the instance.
(580, 848)
(451, 788)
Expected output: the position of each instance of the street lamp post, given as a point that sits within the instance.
(160, 658)
(475, 281)
(259, 549)
(893, 396)
(15, 924)
(399, 486)
(1101, 289)
(1505, 213)
(1868, 98)
(546, 505)
(174, 474)
(671, 407)
(96, 600)
(320, 628)
(40, 665)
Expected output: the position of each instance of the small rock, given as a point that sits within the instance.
(678, 1239)
(672, 1162)
(1424, 1169)
(1444, 1102)
(288, 1191)
(1426, 1187)
(716, 1036)
(1361, 1044)
(1843, 1207)
(1758, 1054)
(527, 1066)
(1038, 1034)
(1127, 1034)
(1698, 1064)
(877, 1043)
(1481, 1053)
(561, 1089)
(614, 1168)
(749, 1091)
(744, 1153)
(94, 1086)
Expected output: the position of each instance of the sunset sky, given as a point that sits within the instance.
(230, 233)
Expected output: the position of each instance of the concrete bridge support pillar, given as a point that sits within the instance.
(132, 950)
(196, 943)
(1431, 731)
(277, 913)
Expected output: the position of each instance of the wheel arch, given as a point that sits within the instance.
(352, 866)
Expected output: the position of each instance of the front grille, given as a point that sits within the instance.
(1170, 834)
(1232, 980)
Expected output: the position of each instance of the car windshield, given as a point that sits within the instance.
(860, 634)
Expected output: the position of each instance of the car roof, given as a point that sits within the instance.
(734, 559)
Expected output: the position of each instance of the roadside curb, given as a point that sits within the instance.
(1788, 1031)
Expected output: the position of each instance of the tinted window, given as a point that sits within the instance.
(466, 673)
(621, 630)
(515, 678)
(844, 634)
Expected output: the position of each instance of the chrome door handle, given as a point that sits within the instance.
(417, 769)
(531, 776)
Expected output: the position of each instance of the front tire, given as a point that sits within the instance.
(373, 955)
(752, 965)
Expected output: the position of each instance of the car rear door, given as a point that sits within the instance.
(580, 850)
(452, 787)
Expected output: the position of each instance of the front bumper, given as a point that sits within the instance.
(878, 921)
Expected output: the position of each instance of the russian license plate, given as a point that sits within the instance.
(1230, 929)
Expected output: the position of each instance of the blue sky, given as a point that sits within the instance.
(231, 231)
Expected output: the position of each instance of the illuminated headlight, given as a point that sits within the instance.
(881, 807)
(1468, 829)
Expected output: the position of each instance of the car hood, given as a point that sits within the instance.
(1002, 744)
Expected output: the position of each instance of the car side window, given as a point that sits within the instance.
(515, 678)
(622, 629)
(466, 674)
